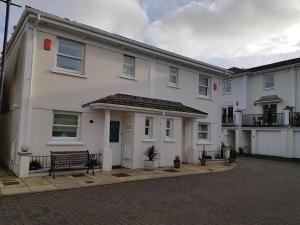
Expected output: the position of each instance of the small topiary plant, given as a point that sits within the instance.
(151, 153)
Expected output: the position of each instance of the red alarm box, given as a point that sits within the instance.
(47, 44)
(215, 87)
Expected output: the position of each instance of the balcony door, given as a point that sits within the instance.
(227, 115)
(270, 114)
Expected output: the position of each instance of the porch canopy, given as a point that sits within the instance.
(268, 99)
(143, 104)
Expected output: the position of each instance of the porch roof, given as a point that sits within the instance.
(147, 103)
(269, 98)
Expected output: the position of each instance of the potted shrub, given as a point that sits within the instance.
(35, 165)
(151, 154)
(177, 162)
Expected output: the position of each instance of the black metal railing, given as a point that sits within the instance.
(295, 119)
(213, 155)
(43, 162)
(263, 120)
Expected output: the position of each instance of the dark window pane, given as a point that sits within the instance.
(114, 132)
(69, 48)
(69, 63)
(59, 131)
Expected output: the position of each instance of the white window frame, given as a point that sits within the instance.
(81, 58)
(78, 126)
(170, 129)
(229, 83)
(150, 127)
(130, 65)
(265, 81)
(171, 68)
(201, 85)
(200, 131)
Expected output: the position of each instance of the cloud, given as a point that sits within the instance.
(229, 29)
(226, 33)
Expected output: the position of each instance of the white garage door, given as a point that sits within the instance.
(268, 143)
(297, 143)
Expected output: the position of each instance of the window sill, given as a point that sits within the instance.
(173, 86)
(203, 142)
(204, 97)
(68, 73)
(269, 89)
(227, 93)
(65, 143)
(169, 141)
(147, 140)
(128, 78)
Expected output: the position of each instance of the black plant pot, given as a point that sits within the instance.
(177, 163)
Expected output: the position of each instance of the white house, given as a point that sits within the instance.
(69, 86)
(261, 108)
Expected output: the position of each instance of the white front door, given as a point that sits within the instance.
(115, 142)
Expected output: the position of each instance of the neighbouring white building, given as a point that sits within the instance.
(69, 86)
(260, 109)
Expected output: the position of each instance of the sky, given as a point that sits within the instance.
(226, 33)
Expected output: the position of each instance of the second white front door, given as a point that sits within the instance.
(115, 142)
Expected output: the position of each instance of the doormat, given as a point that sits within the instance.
(171, 170)
(78, 175)
(10, 182)
(210, 169)
(89, 182)
(121, 175)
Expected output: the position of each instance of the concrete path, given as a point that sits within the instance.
(10, 185)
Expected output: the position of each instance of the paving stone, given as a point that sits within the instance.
(257, 191)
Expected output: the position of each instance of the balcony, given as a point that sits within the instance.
(263, 120)
(295, 119)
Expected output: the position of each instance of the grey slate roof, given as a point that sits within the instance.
(269, 98)
(143, 102)
(289, 62)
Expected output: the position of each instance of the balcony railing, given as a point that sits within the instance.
(262, 120)
(295, 119)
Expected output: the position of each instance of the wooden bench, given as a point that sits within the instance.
(72, 159)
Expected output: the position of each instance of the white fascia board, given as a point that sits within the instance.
(144, 110)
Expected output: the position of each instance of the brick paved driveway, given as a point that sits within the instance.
(257, 192)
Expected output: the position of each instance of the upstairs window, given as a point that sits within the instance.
(204, 86)
(169, 129)
(269, 81)
(128, 66)
(226, 86)
(70, 56)
(149, 128)
(173, 76)
(65, 125)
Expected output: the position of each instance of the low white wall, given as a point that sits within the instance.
(297, 144)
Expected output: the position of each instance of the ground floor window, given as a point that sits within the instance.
(65, 125)
(169, 129)
(203, 131)
(149, 127)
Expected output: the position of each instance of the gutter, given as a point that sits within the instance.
(147, 110)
